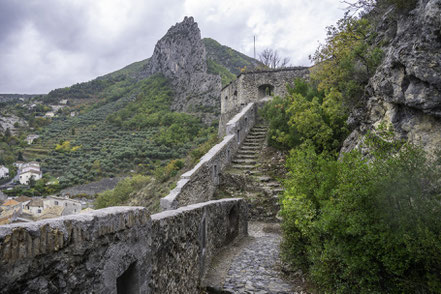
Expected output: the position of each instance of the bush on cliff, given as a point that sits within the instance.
(359, 226)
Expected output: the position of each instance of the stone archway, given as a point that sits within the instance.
(265, 90)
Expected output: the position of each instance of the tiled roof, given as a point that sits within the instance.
(10, 202)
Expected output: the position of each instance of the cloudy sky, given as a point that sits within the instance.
(48, 44)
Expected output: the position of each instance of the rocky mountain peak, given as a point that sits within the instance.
(180, 56)
(180, 52)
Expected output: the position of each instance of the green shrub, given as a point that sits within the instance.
(364, 227)
(306, 115)
(122, 192)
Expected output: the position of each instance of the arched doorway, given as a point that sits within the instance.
(266, 90)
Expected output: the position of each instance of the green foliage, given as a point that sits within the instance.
(217, 69)
(227, 57)
(307, 115)
(347, 60)
(122, 193)
(360, 227)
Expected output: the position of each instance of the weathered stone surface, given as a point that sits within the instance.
(180, 56)
(82, 253)
(119, 247)
(199, 184)
(251, 87)
(186, 239)
(406, 88)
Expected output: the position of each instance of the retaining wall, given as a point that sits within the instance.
(199, 184)
(118, 249)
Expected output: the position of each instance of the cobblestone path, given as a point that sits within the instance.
(254, 267)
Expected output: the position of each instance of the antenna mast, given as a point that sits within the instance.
(254, 47)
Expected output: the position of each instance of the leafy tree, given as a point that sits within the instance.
(307, 115)
(347, 60)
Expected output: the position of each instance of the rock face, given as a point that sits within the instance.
(406, 88)
(180, 56)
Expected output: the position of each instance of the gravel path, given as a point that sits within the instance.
(254, 268)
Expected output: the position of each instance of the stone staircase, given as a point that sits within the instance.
(250, 180)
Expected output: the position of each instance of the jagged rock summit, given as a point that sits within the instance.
(181, 57)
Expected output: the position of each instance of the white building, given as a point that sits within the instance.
(26, 176)
(4, 172)
(71, 206)
(49, 114)
(30, 139)
(35, 207)
(18, 164)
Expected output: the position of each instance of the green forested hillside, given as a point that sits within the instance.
(121, 123)
(225, 61)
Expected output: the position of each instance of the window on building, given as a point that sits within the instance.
(56, 202)
(39, 211)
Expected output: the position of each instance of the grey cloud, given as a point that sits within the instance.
(54, 43)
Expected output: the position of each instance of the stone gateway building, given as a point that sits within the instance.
(256, 86)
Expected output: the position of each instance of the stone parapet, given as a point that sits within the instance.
(199, 184)
(86, 252)
(119, 249)
(186, 239)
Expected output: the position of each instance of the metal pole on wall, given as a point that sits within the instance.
(254, 47)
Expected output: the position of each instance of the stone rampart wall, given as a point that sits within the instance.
(85, 253)
(118, 249)
(199, 184)
(188, 238)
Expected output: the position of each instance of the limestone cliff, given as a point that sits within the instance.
(181, 57)
(406, 88)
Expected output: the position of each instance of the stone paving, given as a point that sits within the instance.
(255, 266)
(254, 269)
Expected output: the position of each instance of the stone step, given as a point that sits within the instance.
(255, 173)
(251, 133)
(255, 148)
(273, 184)
(244, 161)
(243, 166)
(253, 140)
(247, 152)
(251, 144)
(278, 190)
(264, 179)
(246, 156)
(256, 137)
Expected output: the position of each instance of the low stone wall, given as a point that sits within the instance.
(187, 238)
(85, 253)
(198, 185)
(119, 249)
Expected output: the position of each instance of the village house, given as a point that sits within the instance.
(11, 209)
(29, 170)
(71, 206)
(49, 114)
(34, 207)
(4, 172)
(30, 139)
(25, 177)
